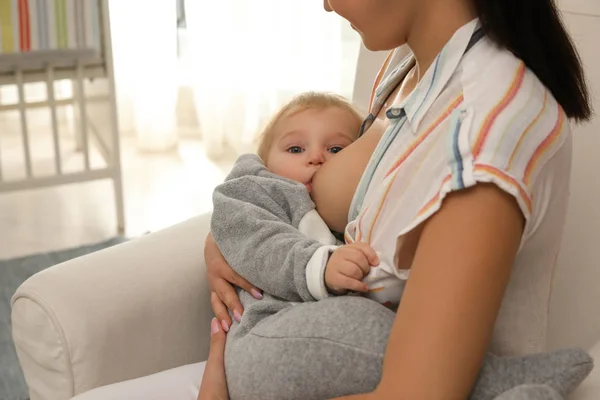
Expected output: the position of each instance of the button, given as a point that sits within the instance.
(394, 112)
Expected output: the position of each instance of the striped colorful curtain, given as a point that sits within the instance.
(30, 25)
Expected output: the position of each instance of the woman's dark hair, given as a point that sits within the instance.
(534, 32)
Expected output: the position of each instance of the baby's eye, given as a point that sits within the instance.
(335, 149)
(295, 150)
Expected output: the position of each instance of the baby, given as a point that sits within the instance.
(265, 222)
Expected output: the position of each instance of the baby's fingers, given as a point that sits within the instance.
(356, 263)
(355, 285)
(369, 252)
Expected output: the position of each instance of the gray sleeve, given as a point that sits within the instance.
(254, 223)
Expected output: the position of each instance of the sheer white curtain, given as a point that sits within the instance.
(249, 57)
(243, 60)
(144, 41)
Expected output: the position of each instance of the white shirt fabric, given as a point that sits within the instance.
(477, 117)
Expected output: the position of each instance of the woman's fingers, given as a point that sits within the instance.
(227, 294)
(239, 281)
(214, 384)
(220, 311)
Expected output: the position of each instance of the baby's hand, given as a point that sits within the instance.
(348, 266)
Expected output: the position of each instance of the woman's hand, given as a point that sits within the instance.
(221, 279)
(214, 384)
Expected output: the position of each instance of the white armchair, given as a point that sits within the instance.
(126, 312)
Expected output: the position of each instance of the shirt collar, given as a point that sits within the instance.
(432, 83)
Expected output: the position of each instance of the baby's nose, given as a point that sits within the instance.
(316, 158)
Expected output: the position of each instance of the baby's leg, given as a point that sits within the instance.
(335, 347)
(308, 351)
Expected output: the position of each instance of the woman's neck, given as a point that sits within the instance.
(433, 28)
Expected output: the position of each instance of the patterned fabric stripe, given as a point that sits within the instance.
(503, 176)
(402, 158)
(407, 185)
(6, 26)
(384, 143)
(424, 136)
(528, 130)
(488, 169)
(24, 28)
(455, 153)
(348, 238)
(436, 69)
(435, 198)
(513, 90)
(524, 111)
(545, 146)
(359, 225)
(379, 77)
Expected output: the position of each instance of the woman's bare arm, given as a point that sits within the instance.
(447, 314)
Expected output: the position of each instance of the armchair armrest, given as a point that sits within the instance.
(125, 312)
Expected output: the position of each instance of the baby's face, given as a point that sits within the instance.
(307, 139)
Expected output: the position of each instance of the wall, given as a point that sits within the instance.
(576, 293)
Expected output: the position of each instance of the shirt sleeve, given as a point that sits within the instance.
(508, 143)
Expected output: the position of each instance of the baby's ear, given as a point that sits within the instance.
(561, 370)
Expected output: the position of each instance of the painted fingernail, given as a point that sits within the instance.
(256, 294)
(214, 326)
(237, 316)
(225, 326)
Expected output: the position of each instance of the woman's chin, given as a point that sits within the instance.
(378, 45)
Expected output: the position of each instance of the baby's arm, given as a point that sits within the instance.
(255, 224)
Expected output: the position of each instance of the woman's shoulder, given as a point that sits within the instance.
(513, 121)
(499, 86)
(511, 131)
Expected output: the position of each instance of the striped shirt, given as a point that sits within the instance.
(476, 116)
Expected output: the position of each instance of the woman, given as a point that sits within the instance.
(466, 159)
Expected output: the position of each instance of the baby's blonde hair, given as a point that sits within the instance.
(303, 102)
